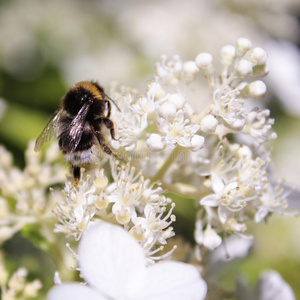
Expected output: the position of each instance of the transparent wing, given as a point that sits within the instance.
(49, 132)
(77, 125)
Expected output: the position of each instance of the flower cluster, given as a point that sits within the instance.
(16, 286)
(24, 193)
(130, 200)
(214, 153)
(174, 139)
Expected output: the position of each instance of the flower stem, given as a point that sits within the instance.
(159, 175)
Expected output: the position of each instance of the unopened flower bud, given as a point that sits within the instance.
(257, 89)
(211, 239)
(205, 62)
(227, 55)
(242, 46)
(244, 67)
(100, 184)
(31, 289)
(259, 56)
(17, 281)
(177, 99)
(155, 142)
(209, 123)
(190, 70)
(197, 142)
(167, 110)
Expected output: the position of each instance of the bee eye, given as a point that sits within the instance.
(84, 98)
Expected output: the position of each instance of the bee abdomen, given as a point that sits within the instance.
(83, 157)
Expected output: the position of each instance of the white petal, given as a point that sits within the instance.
(74, 291)
(261, 214)
(223, 213)
(210, 200)
(172, 280)
(217, 184)
(235, 248)
(111, 260)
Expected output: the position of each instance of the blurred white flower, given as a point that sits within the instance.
(114, 267)
(271, 286)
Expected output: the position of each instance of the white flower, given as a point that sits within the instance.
(155, 227)
(271, 286)
(179, 131)
(229, 108)
(259, 125)
(237, 181)
(114, 267)
(77, 205)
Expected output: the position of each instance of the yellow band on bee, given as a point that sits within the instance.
(91, 88)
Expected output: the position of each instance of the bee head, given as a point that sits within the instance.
(75, 98)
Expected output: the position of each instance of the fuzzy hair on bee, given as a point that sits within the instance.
(78, 124)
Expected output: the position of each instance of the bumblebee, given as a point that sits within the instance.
(77, 124)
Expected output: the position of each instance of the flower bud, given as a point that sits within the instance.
(211, 239)
(197, 142)
(155, 142)
(227, 55)
(205, 62)
(259, 56)
(100, 184)
(31, 289)
(209, 123)
(244, 67)
(257, 89)
(167, 110)
(190, 70)
(178, 100)
(242, 46)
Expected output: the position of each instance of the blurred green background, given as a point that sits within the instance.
(45, 46)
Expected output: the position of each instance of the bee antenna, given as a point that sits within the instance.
(113, 101)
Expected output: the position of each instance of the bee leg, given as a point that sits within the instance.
(108, 108)
(103, 146)
(109, 125)
(76, 174)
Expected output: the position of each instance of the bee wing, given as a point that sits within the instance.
(77, 125)
(48, 132)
